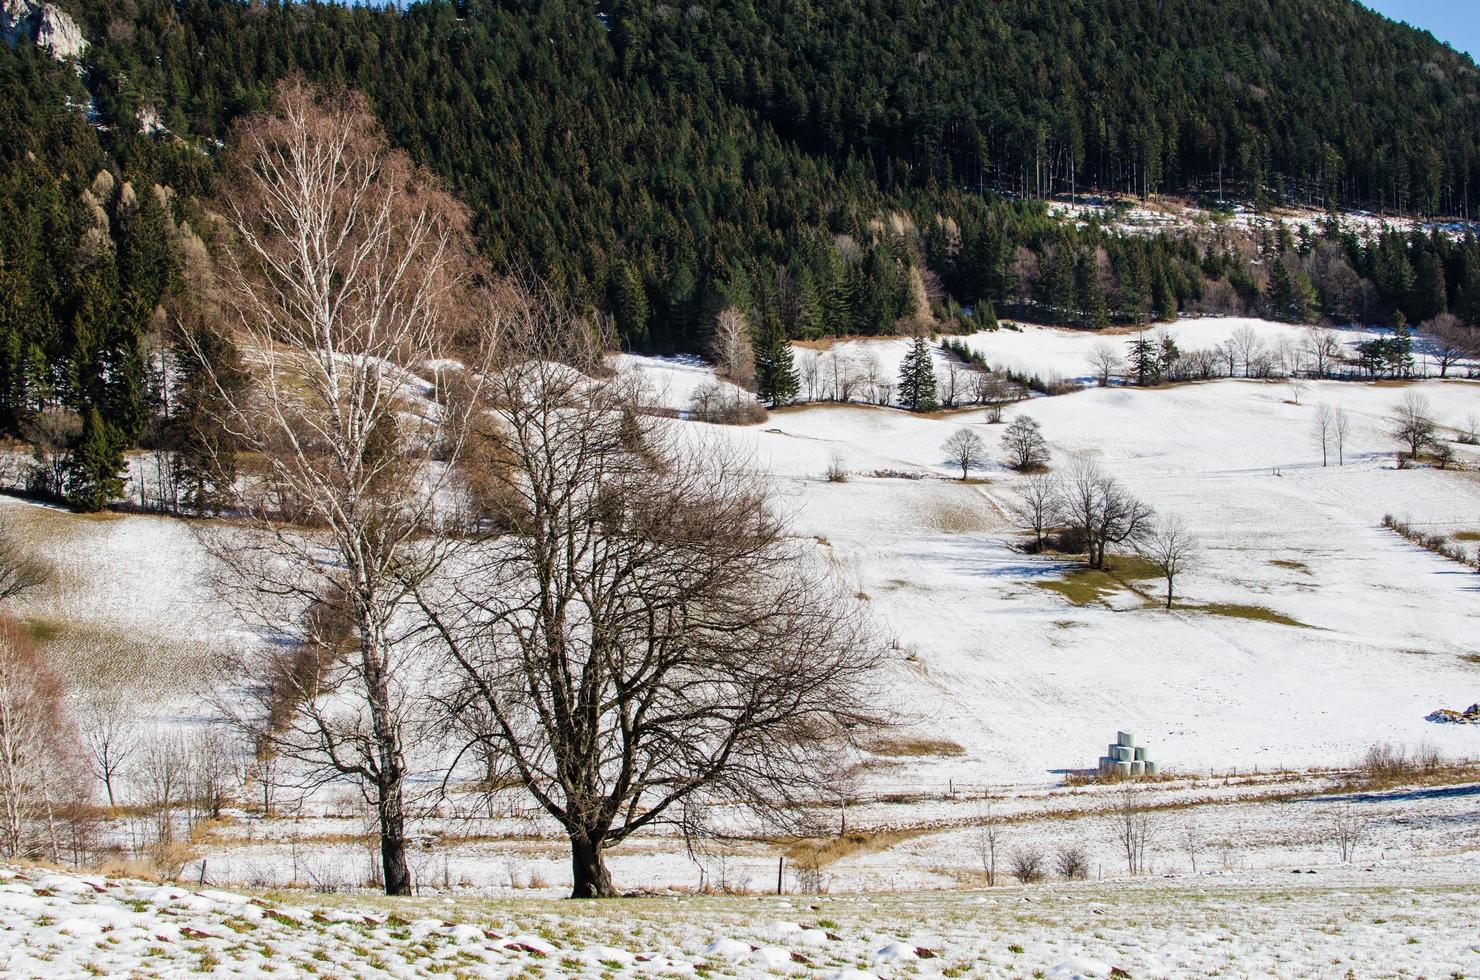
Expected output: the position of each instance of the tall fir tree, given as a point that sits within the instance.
(775, 367)
(917, 378)
(1145, 359)
(94, 477)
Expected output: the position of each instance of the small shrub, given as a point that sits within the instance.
(1027, 865)
(1072, 863)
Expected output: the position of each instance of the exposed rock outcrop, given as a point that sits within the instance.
(44, 23)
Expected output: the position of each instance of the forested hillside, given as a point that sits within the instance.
(823, 168)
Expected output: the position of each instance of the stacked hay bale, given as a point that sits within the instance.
(1126, 759)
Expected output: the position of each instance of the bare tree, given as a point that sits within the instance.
(1322, 427)
(1348, 827)
(1322, 349)
(1102, 510)
(1192, 841)
(110, 736)
(1172, 549)
(346, 271)
(1105, 362)
(38, 751)
(731, 347)
(20, 570)
(950, 383)
(1023, 444)
(1245, 345)
(997, 393)
(160, 780)
(1038, 507)
(1341, 423)
(51, 432)
(1413, 425)
(1449, 340)
(966, 449)
(1131, 825)
(647, 640)
(988, 841)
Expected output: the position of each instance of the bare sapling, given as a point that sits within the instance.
(1172, 549)
(1131, 824)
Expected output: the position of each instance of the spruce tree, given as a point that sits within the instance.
(1145, 359)
(94, 477)
(775, 368)
(917, 378)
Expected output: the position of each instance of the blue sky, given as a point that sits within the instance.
(1454, 21)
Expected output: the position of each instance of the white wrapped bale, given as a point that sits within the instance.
(1122, 753)
(1125, 738)
(1151, 769)
(1138, 768)
(1140, 753)
(1122, 769)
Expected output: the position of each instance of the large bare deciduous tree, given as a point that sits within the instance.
(1413, 425)
(965, 449)
(645, 641)
(349, 280)
(1102, 510)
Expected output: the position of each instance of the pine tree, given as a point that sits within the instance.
(917, 378)
(94, 476)
(1166, 355)
(775, 368)
(1280, 291)
(1144, 358)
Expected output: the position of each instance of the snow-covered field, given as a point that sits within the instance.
(1305, 634)
(1338, 923)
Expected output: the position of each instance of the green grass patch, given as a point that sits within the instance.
(1234, 610)
(42, 630)
(1090, 586)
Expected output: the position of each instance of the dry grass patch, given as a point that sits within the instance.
(819, 852)
(1467, 536)
(958, 517)
(1294, 566)
(99, 655)
(909, 747)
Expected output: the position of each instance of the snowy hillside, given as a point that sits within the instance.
(1304, 634)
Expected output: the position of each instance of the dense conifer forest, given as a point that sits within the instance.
(823, 168)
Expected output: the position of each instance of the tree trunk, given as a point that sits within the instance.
(588, 869)
(393, 841)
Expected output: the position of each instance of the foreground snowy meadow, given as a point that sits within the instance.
(1333, 923)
